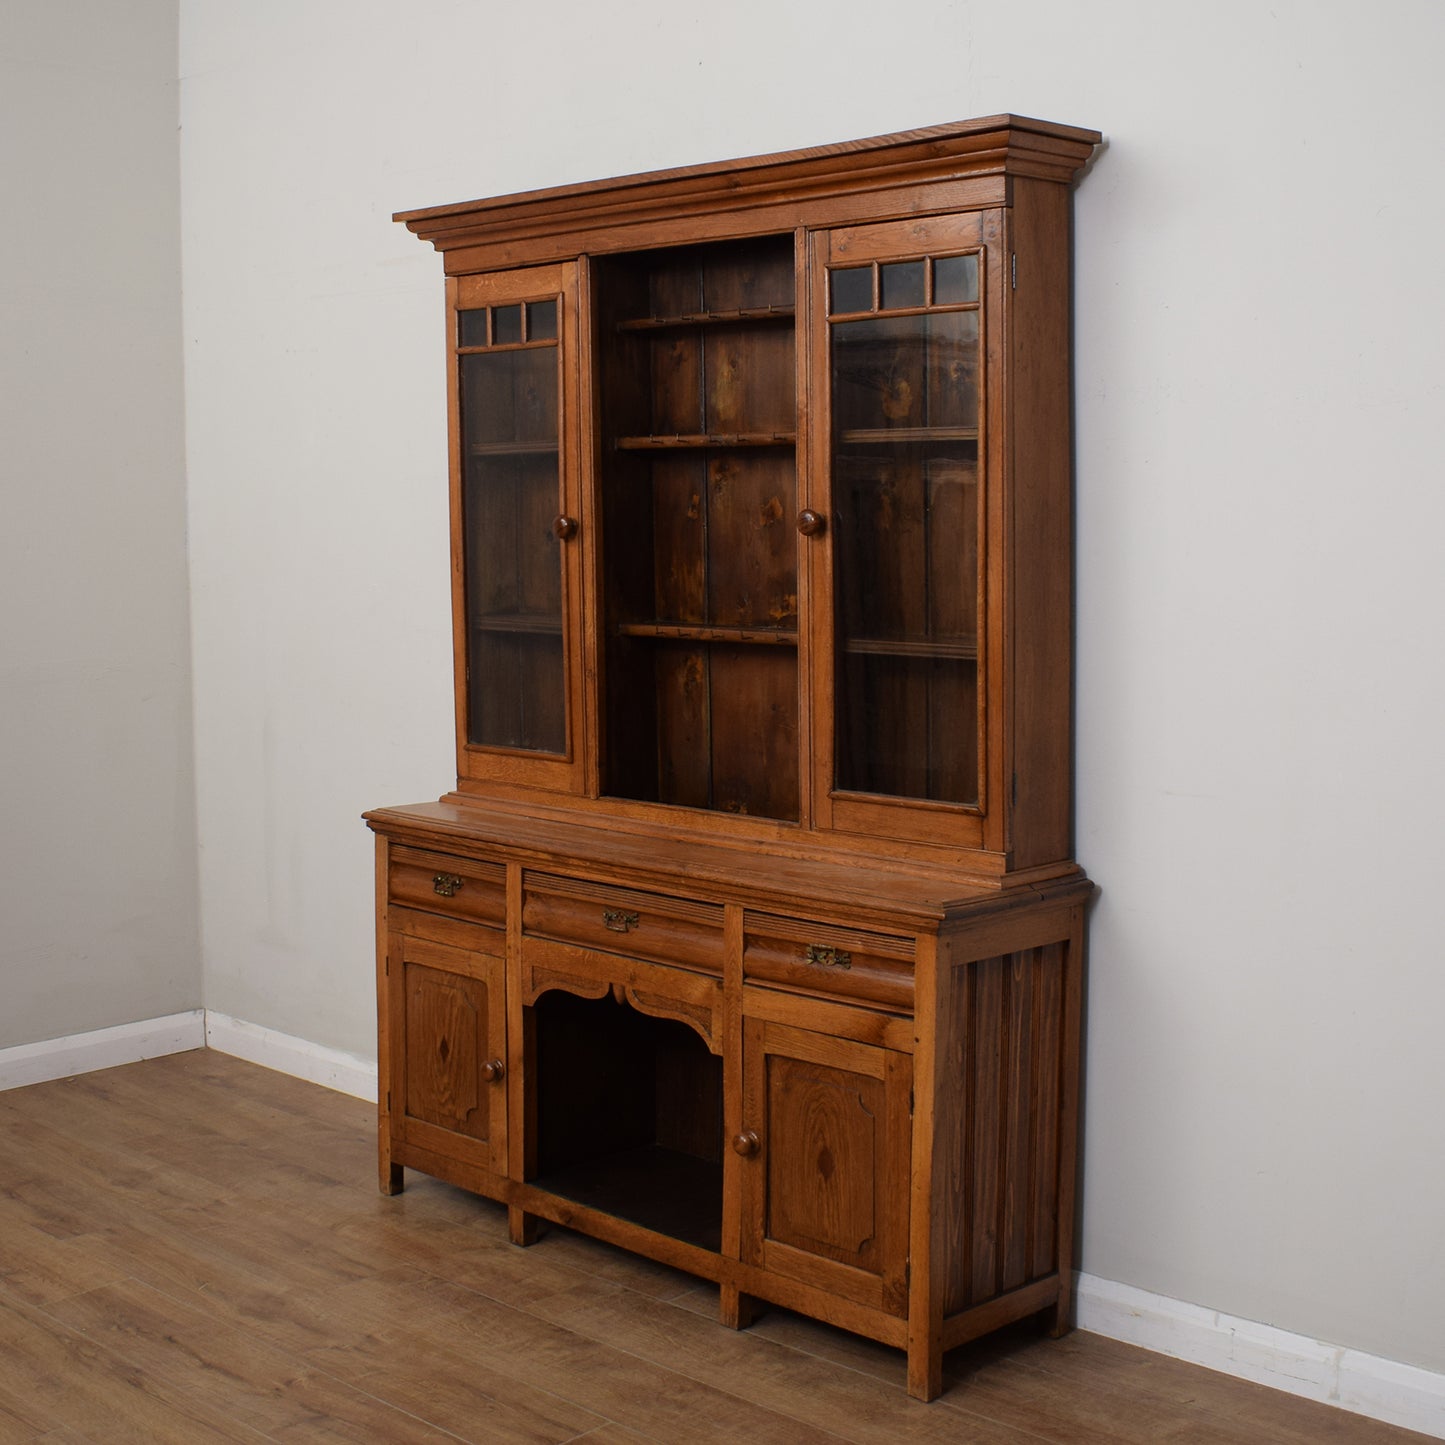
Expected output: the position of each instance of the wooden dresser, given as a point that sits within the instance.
(751, 938)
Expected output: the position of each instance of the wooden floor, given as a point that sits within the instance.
(193, 1249)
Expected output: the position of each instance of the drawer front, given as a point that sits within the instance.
(829, 962)
(676, 931)
(452, 887)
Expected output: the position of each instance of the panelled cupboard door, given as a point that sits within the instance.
(903, 418)
(517, 526)
(825, 1173)
(449, 1049)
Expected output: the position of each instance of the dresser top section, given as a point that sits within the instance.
(873, 894)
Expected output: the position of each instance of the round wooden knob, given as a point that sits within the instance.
(564, 528)
(810, 523)
(493, 1070)
(746, 1143)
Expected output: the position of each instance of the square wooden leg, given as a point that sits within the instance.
(735, 1309)
(522, 1228)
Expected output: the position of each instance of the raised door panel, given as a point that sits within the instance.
(449, 1040)
(517, 527)
(825, 1182)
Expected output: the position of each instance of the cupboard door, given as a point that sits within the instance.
(517, 527)
(825, 1145)
(898, 567)
(449, 1050)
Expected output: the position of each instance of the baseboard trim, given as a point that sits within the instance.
(331, 1068)
(38, 1063)
(1386, 1390)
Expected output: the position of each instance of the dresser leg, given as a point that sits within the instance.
(925, 1369)
(1059, 1321)
(735, 1309)
(392, 1176)
(522, 1228)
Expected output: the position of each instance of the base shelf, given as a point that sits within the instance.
(660, 1189)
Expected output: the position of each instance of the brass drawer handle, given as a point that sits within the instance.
(824, 956)
(617, 921)
(446, 884)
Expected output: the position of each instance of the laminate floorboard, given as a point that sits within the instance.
(193, 1249)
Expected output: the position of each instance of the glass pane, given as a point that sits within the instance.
(955, 280)
(506, 325)
(953, 369)
(853, 289)
(472, 327)
(879, 373)
(905, 508)
(542, 321)
(511, 491)
(901, 284)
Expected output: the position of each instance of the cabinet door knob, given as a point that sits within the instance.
(564, 528)
(493, 1070)
(811, 523)
(746, 1143)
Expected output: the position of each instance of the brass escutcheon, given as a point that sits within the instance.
(826, 956)
(618, 921)
(446, 884)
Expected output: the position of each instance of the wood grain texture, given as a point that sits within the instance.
(243, 1281)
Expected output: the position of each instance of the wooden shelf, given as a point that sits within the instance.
(660, 1189)
(538, 624)
(687, 632)
(888, 436)
(940, 647)
(513, 449)
(707, 439)
(708, 318)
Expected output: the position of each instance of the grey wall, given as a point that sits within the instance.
(97, 848)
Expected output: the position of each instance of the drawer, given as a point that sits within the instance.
(452, 887)
(829, 962)
(678, 931)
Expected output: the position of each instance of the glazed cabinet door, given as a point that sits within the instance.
(449, 1049)
(897, 559)
(517, 527)
(825, 1178)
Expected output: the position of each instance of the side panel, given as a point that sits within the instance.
(1006, 1115)
(1040, 560)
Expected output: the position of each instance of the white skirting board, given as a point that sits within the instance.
(1365, 1384)
(196, 1029)
(101, 1049)
(333, 1069)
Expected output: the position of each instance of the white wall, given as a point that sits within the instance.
(1260, 688)
(97, 849)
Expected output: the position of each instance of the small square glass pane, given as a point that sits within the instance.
(541, 321)
(506, 325)
(472, 328)
(955, 280)
(852, 290)
(901, 285)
